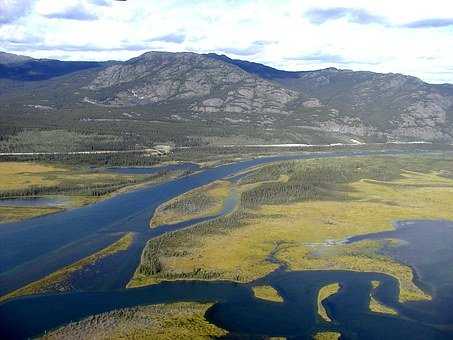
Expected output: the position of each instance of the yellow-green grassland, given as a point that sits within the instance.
(76, 186)
(267, 293)
(160, 322)
(323, 294)
(327, 336)
(376, 306)
(299, 211)
(204, 201)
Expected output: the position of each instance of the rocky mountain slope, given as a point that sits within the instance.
(189, 87)
(366, 103)
(197, 84)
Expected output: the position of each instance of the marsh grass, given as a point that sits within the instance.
(319, 203)
(323, 294)
(12, 214)
(79, 185)
(267, 293)
(160, 322)
(30, 179)
(205, 201)
(376, 306)
(327, 336)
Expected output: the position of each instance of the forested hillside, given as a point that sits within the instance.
(188, 99)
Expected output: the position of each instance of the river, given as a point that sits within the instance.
(34, 248)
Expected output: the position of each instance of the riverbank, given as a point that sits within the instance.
(318, 204)
(201, 202)
(71, 187)
(287, 209)
(160, 322)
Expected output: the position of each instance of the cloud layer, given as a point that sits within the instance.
(12, 10)
(73, 13)
(382, 36)
(354, 15)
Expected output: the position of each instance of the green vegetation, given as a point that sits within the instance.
(20, 175)
(376, 306)
(203, 201)
(173, 255)
(267, 293)
(75, 186)
(60, 280)
(300, 219)
(12, 214)
(323, 294)
(59, 141)
(160, 322)
(84, 103)
(327, 336)
(19, 179)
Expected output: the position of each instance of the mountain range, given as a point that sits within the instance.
(219, 91)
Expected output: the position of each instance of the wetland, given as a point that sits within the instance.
(248, 255)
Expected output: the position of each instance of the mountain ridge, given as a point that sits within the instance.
(186, 86)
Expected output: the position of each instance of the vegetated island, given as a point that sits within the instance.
(205, 201)
(376, 306)
(162, 322)
(323, 294)
(301, 211)
(267, 293)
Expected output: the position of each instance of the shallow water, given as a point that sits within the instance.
(33, 202)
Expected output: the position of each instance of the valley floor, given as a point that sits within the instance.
(31, 189)
(292, 215)
(300, 213)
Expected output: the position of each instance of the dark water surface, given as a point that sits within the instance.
(236, 309)
(34, 248)
(427, 247)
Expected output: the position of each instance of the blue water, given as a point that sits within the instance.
(47, 243)
(34, 248)
(427, 247)
(237, 310)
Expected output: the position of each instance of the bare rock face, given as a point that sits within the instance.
(157, 77)
(347, 125)
(312, 102)
(209, 85)
(253, 95)
(393, 105)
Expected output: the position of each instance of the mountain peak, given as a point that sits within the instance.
(264, 71)
(187, 86)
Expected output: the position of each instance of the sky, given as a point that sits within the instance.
(410, 37)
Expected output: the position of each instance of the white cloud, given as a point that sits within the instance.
(12, 10)
(383, 36)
